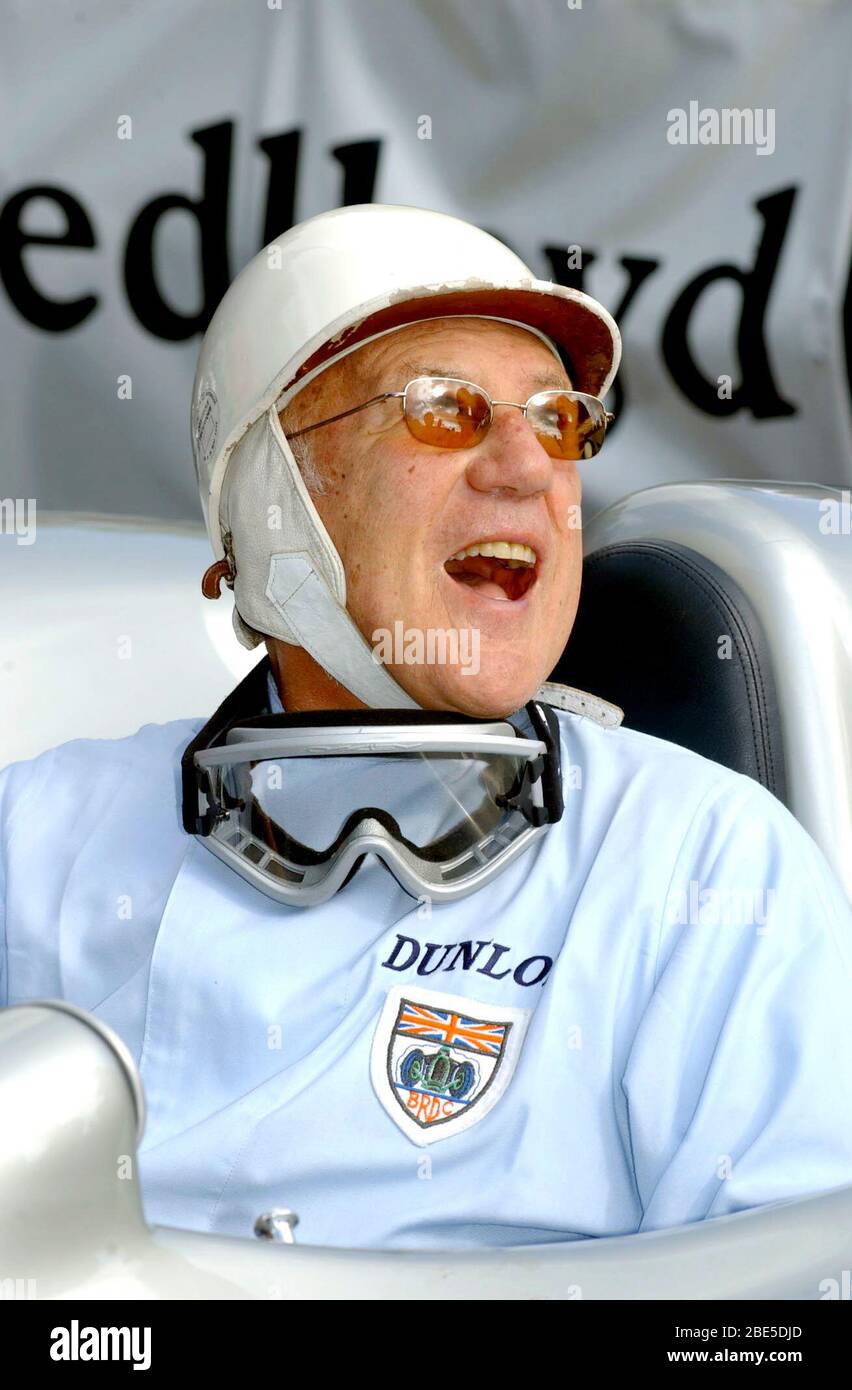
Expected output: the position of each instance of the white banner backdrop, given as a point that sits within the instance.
(151, 150)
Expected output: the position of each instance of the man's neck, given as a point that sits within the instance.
(302, 682)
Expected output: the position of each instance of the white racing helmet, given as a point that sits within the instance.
(322, 289)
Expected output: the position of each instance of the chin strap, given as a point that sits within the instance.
(326, 631)
(580, 702)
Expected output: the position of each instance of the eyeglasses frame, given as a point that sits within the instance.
(457, 380)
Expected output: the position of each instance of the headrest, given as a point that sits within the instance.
(666, 634)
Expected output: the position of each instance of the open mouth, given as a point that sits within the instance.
(496, 569)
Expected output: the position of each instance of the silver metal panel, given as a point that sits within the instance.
(109, 610)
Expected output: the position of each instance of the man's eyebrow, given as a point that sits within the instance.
(409, 368)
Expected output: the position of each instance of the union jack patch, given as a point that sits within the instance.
(440, 1062)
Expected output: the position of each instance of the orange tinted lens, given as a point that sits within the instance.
(449, 414)
(567, 426)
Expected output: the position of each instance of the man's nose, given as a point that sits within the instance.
(510, 457)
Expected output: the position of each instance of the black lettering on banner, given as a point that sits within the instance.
(359, 161)
(282, 151)
(51, 315)
(756, 389)
(638, 269)
(211, 213)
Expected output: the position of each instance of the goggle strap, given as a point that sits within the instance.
(544, 771)
(249, 696)
(546, 725)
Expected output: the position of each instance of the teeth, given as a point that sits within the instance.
(512, 551)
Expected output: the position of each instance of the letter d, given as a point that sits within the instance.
(402, 941)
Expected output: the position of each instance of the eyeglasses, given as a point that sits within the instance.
(449, 413)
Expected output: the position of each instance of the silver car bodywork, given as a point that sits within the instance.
(72, 1226)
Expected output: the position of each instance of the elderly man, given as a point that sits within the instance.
(435, 984)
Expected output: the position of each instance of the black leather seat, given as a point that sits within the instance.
(648, 637)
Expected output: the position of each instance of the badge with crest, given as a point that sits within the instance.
(440, 1062)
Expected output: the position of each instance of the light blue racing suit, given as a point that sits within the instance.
(642, 1022)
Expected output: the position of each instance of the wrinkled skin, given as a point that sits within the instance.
(397, 509)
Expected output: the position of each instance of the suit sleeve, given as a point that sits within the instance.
(739, 1078)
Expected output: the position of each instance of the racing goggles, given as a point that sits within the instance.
(454, 414)
(294, 802)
